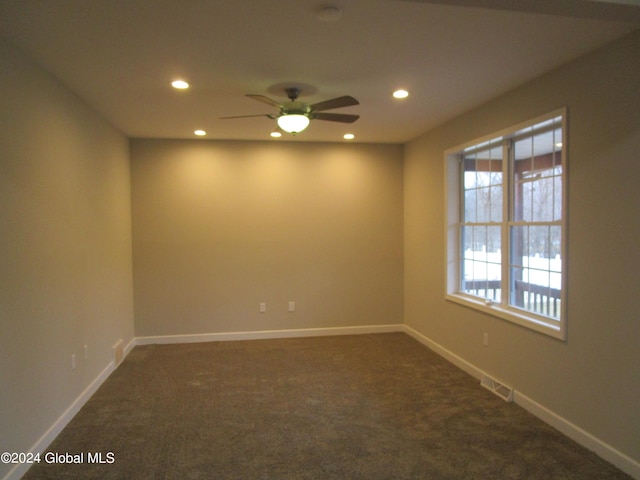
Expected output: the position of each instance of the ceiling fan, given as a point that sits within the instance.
(294, 116)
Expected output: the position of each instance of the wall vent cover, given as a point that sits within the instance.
(501, 390)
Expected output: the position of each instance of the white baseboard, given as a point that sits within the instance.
(129, 346)
(43, 443)
(45, 440)
(604, 450)
(584, 438)
(267, 334)
(459, 362)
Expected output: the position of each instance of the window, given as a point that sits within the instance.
(506, 213)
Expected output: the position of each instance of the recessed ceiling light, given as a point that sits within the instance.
(400, 94)
(180, 84)
(200, 133)
(276, 134)
(349, 136)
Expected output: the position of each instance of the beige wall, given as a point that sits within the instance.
(592, 379)
(220, 227)
(65, 249)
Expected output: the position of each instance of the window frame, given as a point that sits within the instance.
(454, 189)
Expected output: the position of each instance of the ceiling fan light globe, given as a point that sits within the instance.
(293, 123)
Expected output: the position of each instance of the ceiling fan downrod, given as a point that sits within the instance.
(292, 93)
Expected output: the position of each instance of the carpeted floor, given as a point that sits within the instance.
(349, 407)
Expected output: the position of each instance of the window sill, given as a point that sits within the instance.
(532, 322)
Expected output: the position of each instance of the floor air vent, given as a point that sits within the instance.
(504, 392)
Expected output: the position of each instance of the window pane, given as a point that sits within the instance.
(555, 237)
(479, 238)
(483, 200)
(535, 269)
(466, 236)
(470, 206)
(538, 126)
(537, 194)
(525, 205)
(493, 245)
(517, 292)
(557, 200)
(519, 244)
(483, 186)
(496, 204)
(542, 197)
(539, 241)
(494, 166)
(470, 172)
(481, 271)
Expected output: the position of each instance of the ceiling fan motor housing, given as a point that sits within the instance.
(295, 107)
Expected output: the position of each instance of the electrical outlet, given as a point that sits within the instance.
(263, 307)
(292, 306)
(85, 352)
(485, 339)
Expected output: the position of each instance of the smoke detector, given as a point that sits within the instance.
(329, 13)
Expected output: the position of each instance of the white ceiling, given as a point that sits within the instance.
(121, 55)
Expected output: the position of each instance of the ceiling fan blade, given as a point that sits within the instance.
(248, 116)
(338, 102)
(336, 117)
(263, 99)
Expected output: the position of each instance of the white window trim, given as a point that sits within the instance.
(538, 323)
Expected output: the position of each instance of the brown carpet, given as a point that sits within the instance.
(349, 407)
